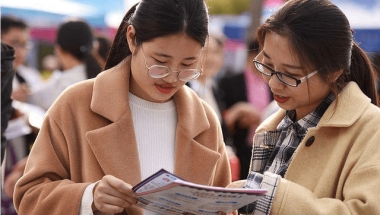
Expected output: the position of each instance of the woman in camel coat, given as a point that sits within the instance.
(104, 135)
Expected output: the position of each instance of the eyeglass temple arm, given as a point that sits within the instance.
(308, 76)
(259, 57)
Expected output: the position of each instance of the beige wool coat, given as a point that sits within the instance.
(88, 133)
(336, 168)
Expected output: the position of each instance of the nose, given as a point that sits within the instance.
(274, 82)
(172, 77)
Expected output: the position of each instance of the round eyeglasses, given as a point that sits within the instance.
(160, 71)
(283, 77)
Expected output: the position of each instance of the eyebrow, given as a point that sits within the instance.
(286, 65)
(168, 56)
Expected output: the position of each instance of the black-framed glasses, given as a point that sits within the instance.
(160, 71)
(283, 77)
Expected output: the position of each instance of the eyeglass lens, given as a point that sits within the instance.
(287, 79)
(157, 71)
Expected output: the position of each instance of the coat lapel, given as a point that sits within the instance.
(193, 161)
(197, 163)
(115, 145)
(351, 100)
(116, 150)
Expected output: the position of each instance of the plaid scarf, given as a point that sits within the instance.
(273, 152)
(291, 135)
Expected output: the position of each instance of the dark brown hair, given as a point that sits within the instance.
(8, 22)
(320, 35)
(75, 36)
(157, 18)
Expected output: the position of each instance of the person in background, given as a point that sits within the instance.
(73, 47)
(104, 135)
(245, 96)
(50, 64)
(205, 85)
(320, 153)
(16, 33)
(7, 73)
(206, 88)
(102, 45)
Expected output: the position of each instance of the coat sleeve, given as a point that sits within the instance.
(45, 187)
(356, 194)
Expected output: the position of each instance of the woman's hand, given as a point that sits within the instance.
(112, 195)
(243, 115)
(237, 184)
(221, 213)
(21, 93)
(14, 176)
(233, 213)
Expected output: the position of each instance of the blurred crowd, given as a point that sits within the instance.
(79, 54)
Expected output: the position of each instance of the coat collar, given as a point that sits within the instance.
(110, 92)
(110, 99)
(345, 110)
(114, 144)
(342, 112)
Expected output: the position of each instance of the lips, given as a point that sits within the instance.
(280, 99)
(164, 88)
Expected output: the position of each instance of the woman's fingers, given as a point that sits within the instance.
(232, 213)
(112, 195)
(237, 184)
(111, 204)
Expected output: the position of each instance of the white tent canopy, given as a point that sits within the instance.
(361, 13)
(48, 13)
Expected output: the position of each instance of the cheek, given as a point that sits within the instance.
(301, 95)
(313, 92)
(20, 53)
(138, 70)
(140, 77)
(320, 91)
(19, 57)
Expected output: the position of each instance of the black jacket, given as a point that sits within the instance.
(7, 73)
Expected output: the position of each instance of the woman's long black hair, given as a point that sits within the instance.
(75, 36)
(157, 18)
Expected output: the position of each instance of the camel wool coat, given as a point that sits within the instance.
(89, 133)
(336, 168)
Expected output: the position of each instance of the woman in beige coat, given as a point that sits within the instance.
(104, 135)
(320, 154)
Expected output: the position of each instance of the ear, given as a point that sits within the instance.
(131, 32)
(335, 75)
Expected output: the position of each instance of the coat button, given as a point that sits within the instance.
(310, 141)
